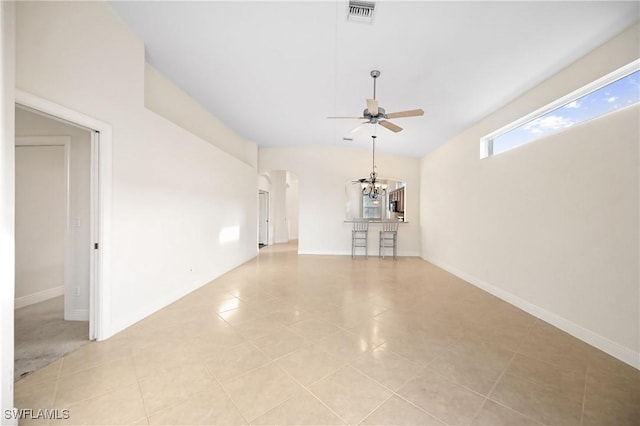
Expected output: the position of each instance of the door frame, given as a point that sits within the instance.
(266, 194)
(101, 201)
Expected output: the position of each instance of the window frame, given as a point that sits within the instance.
(486, 142)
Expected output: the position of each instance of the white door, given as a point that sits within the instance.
(263, 218)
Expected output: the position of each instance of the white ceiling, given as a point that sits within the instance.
(273, 71)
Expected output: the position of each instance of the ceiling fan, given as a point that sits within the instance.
(375, 114)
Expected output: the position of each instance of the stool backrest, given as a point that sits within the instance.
(390, 226)
(360, 226)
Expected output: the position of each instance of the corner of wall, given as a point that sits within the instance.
(7, 248)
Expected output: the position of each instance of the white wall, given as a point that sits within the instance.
(7, 252)
(292, 205)
(184, 211)
(551, 226)
(31, 124)
(322, 173)
(278, 201)
(264, 182)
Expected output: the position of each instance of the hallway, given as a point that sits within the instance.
(302, 339)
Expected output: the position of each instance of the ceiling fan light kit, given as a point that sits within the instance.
(375, 114)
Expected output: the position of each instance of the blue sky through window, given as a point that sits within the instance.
(618, 94)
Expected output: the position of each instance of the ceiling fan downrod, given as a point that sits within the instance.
(373, 167)
(373, 190)
(375, 74)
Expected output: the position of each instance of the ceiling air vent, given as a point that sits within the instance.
(361, 11)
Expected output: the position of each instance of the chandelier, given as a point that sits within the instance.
(373, 189)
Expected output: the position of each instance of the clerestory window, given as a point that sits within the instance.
(610, 93)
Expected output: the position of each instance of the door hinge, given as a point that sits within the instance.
(95, 246)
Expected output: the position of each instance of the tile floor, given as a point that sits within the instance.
(324, 340)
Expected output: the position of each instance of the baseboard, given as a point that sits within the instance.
(77, 315)
(614, 349)
(41, 296)
(148, 310)
(359, 253)
(122, 324)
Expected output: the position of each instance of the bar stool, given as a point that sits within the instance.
(359, 237)
(389, 237)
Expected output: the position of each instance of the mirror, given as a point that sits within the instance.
(388, 206)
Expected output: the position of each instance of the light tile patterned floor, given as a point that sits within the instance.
(324, 340)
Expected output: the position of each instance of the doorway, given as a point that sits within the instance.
(100, 188)
(279, 215)
(100, 208)
(263, 219)
(53, 238)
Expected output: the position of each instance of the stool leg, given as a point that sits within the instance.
(395, 246)
(366, 245)
(353, 246)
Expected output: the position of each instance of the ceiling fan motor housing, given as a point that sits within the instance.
(374, 118)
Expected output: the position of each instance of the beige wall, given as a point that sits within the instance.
(322, 174)
(31, 124)
(164, 98)
(278, 197)
(551, 226)
(292, 205)
(41, 217)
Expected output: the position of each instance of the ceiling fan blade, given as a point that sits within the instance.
(358, 127)
(349, 118)
(372, 106)
(389, 125)
(401, 114)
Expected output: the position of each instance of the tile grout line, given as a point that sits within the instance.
(99, 364)
(138, 381)
(144, 404)
(375, 408)
(584, 391)
(235, 405)
(55, 389)
(486, 397)
(98, 395)
(395, 393)
(307, 388)
(251, 370)
(420, 408)
(515, 353)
